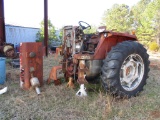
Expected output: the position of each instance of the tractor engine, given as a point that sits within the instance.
(77, 51)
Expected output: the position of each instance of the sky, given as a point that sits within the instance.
(30, 13)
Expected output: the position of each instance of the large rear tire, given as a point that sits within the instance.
(125, 69)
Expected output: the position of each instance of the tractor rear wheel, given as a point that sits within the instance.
(125, 69)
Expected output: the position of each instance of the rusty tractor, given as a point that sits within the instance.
(118, 58)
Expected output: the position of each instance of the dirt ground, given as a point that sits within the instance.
(60, 102)
(155, 59)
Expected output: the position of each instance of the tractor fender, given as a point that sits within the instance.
(112, 39)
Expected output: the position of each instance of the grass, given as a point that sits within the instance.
(60, 102)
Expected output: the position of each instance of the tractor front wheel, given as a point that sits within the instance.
(125, 69)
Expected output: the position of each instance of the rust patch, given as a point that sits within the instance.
(82, 72)
(55, 74)
(155, 114)
(83, 56)
(70, 83)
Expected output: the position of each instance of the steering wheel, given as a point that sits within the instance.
(84, 25)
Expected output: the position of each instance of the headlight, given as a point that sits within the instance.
(78, 47)
(105, 34)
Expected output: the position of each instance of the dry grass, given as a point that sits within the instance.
(60, 103)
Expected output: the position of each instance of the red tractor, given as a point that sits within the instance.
(120, 61)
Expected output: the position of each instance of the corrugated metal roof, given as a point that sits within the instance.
(20, 26)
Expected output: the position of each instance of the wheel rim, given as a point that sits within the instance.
(132, 71)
